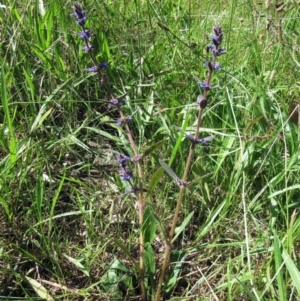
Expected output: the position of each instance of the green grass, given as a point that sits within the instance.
(65, 221)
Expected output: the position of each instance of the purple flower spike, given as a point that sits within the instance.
(216, 41)
(209, 65)
(217, 38)
(79, 14)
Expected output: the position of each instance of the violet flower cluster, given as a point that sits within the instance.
(124, 172)
(85, 34)
(216, 51)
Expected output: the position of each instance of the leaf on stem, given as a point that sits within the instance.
(194, 140)
(172, 174)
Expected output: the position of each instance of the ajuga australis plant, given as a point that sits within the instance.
(127, 163)
(124, 161)
(206, 85)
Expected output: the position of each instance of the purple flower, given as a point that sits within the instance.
(215, 51)
(210, 48)
(79, 14)
(125, 174)
(81, 22)
(92, 69)
(120, 121)
(212, 66)
(97, 68)
(217, 67)
(85, 34)
(116, 102)
(103, 66)
(203, 141)
(205, 86)
(217, 38)
(122, 159)
(216, 41)
(88, 48)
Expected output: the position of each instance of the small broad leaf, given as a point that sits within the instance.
(149, 225)
(39, 289)
(119, 265)
(149, 261)
(117, 279)
(172, 174)
(202, 141)
(160, 225)
(155, 179)
(78, 264)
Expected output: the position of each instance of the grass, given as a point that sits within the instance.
(66, 223)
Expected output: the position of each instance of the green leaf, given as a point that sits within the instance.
(247, 291)
(293, 270)
(39, 289)
(8, 120)
(39, 195)
(178, 259)
(278, 266)
(154, 147)
(155, 179)
(293, 187)
(160, 225)
(78, 264)
(210, 220)
(6, 209)
(149, 261)
(117, 280)
(149, 225)
(179, 229)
